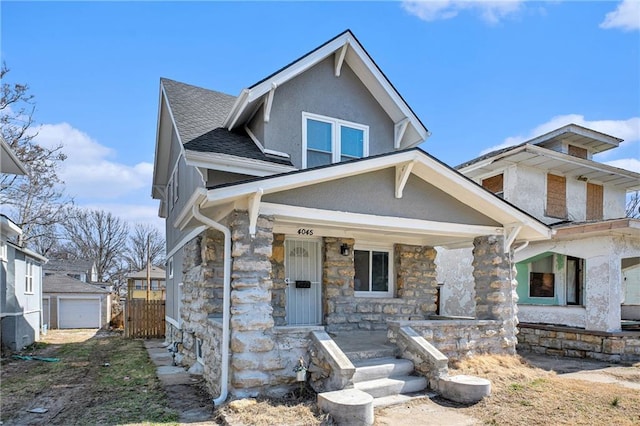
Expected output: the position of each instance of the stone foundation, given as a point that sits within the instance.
(458, 339)
(579, 343)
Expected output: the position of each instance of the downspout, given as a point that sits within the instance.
(226, 300)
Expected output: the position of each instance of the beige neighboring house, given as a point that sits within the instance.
(301, 216)
(579, 290)
(153, 278)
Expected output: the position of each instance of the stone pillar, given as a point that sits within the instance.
(337, 279)
(495, 286)
(416, 277)
(251, 311)
(278, 292)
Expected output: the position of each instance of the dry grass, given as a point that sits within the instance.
(522, 394)
(295, 408)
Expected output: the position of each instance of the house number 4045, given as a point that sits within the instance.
(305, 231)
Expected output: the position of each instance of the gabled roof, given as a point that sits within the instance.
(347, 49)
(60, 283)
(154, 273)
(9, 163)
(533, 154)
(412, 161)
(197, 115)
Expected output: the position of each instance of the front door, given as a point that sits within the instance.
(304, 281)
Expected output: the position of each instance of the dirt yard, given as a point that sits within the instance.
(102, 378)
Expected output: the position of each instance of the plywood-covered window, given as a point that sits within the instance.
(556, 196)
(594, 201)
(494, 184)
(576, 151)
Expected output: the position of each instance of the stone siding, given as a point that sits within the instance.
(416, 288)
(495, 288)
(579, 343)
(279, 289)
(459, 339)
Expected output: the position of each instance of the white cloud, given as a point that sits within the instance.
(629, 130)
(632, 164)
(490, 11)
(90, 169)
(626, 16)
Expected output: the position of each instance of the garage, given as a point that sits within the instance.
(79, 313)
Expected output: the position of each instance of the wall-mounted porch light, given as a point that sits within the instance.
(344, 250)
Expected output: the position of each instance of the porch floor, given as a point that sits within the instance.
(351, 342)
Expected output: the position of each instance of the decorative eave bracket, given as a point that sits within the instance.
(339, 58)
(269, 102)
(402, 175)
(398, 131)
(510, 233)
(254, 211)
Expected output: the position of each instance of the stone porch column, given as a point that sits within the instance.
(495, 287)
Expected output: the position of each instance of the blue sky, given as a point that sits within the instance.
(478, 74)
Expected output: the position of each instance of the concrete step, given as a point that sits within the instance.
(385, 351)
(390, 400)
(392, 386)
(380, 368)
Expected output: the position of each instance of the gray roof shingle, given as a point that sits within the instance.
(59, 283)
(199, 114)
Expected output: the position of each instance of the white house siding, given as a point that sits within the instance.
(529, 192)
(614, 202)
(576, 199)
(570, 316)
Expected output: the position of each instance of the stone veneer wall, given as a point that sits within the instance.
(495, 287)
(201, 290)
(579, 343)
(416, 288)
(278, 291)
(458, 339)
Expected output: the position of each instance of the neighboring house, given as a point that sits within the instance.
(153, 279)
(20, 274)
(70, 303)
(302, 207)
(584, 278)
(81, 269)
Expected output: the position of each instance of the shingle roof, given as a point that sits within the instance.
(59, 283)
(77, 265)
(155, 273)
(199, 114)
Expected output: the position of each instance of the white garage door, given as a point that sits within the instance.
(79, 313)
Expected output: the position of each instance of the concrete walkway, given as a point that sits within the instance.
(184, 390)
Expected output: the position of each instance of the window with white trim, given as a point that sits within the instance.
(328, 140)
(373, 268)
(28, 276)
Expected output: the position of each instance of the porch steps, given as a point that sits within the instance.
(386, 377)
(381, 351)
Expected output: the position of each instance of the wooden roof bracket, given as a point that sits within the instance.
(510, 233)
(398, 131)
(339, 58)
(269, 102)
(254, 211)
(402, 175)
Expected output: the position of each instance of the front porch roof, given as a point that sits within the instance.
(625, 226)
(502, 217)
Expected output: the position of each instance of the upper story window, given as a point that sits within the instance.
(577, 151)
(28, 277)
(594, 201)
(172, 189)
(495, 184)
(373, 272)
(328, 140)
(556, 196)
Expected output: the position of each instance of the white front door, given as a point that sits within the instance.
(304, 281)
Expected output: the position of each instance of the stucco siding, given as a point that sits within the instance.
(455, 273)
(529, 192)
(318, 91)
(614, 200)
(256, 125)
(576, 199)
(570, 316)
(374, 193)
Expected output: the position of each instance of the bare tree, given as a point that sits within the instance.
(99, 236)
(36, 200)
(633, 205)
(145, 242)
